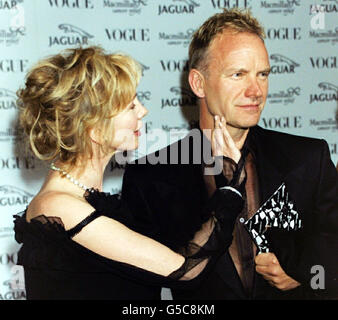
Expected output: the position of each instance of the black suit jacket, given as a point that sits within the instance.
(304, 164)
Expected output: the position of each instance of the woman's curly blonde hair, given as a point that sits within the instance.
(68, 94)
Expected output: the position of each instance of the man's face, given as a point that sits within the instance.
(236, 80)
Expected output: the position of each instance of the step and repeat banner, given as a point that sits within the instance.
(302, 37)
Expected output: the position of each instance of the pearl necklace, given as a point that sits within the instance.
(70, 178)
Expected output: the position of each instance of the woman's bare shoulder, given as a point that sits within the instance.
(70, 208)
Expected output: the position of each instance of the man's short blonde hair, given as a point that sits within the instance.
(235, 20)
(70, 93)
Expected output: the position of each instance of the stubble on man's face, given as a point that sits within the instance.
(236, 79)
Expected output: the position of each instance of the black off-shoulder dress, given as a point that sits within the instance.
(56, 267)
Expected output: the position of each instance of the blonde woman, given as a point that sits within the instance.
(78, 108)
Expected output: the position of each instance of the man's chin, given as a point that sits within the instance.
(246, 125)
(249, 123)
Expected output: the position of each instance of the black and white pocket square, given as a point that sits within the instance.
(277, 212)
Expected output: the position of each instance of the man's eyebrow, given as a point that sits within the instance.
(243, 70)
(231, 70)
(268, 70)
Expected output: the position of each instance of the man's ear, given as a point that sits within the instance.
(196, 81)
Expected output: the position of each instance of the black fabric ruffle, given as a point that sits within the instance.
(101, 200)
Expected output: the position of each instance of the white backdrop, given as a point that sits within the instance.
(302, 38)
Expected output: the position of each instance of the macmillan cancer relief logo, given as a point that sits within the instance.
(328, 124)
(179, 131)
(6, 232)
(178, 7)
(282, 64)
(130, 7)
(72, 36)
(283, 7)
(181, 97)
(7, 100)
(16, 30)
(186, 126)
(318, 31)
(14, 196)
(11, 134)
(284, 97)
(177, 39)
(329, 93)
(12, 35)
(324, 36)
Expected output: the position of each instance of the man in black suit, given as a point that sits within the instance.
(229, 68)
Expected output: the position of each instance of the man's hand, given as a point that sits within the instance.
(268, 266)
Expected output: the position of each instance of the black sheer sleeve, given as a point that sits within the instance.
(211, 241)
(47, 245)
(215, 236)
(233, 175)
(224, 206)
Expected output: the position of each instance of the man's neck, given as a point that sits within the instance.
(238, 135)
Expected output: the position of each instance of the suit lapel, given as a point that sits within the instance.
(270, 163)
(226, 269)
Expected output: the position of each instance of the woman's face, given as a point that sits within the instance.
(127, 125)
